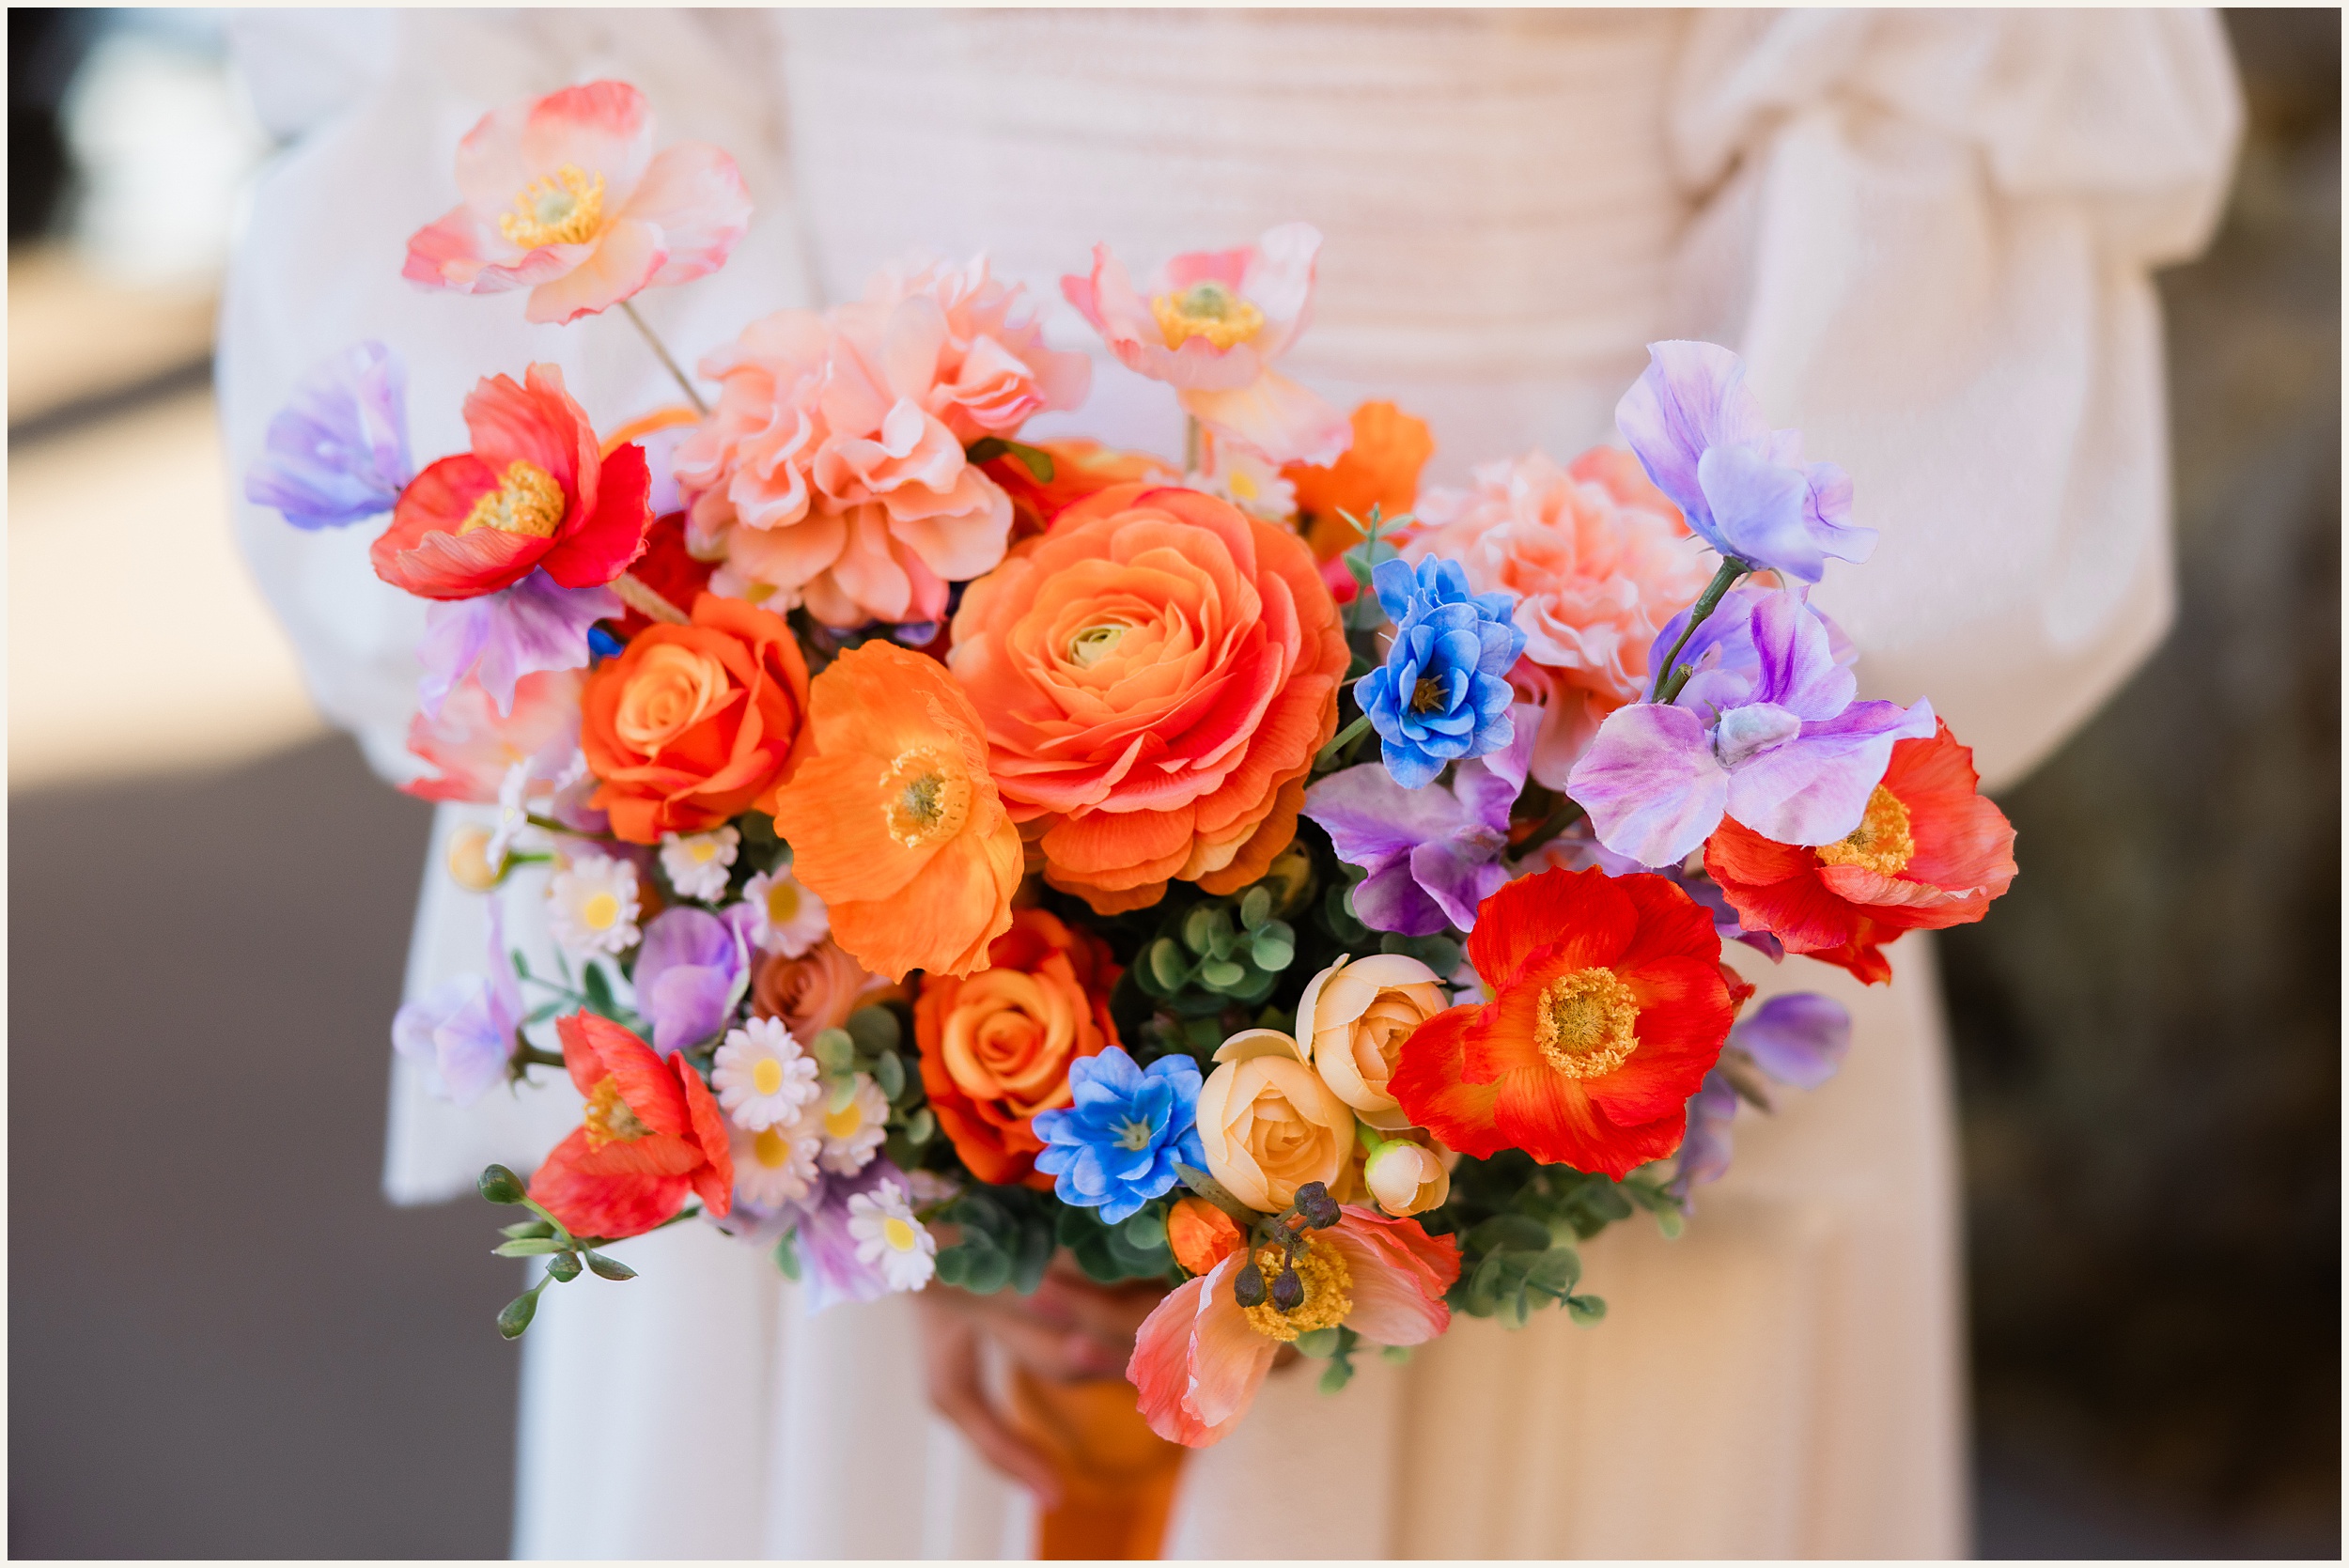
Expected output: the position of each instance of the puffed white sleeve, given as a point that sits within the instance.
(1930, 235)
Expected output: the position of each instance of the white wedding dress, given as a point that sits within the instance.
(1929, 234)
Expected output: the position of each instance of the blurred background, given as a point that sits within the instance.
(223, 1342)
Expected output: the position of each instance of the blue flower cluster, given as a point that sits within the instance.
(1118, 1146)
(1443, 692)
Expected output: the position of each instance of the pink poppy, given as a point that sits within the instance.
(1212, 327)
(565, 198)
(1597, 560)
(472, 747)
(1201, 1356)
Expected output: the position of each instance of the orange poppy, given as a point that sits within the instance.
(1380, 468)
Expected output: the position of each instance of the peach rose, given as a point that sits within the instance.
(1407, 1176)
(692, 724)
(1155, 675)
(1598, 560)
(1352, 1020)
(1268, 1124)
(832, 472)
(996, 1047)
(817, 990)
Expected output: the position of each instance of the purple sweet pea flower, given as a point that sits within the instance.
(461, 1034)
(1797, 1039)
(1794, 760)
(536, 625)
(830, 1272)
(338, 452)
(690, 973)
(1433, 854)
(1700, 434)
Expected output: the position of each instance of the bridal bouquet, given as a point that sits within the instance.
(1249, 872)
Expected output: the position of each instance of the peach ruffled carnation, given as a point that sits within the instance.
(1596, 559)
(1155, 675)
(832, 472)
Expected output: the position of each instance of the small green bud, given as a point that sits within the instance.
(501, 1186)
(564, 1266)
(518, 1313)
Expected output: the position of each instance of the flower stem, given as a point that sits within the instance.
(642, 598)
(1346, 738)
(551, 826)
(1194, 444)
(531, 1056)
(1670, 678)
(662, 350)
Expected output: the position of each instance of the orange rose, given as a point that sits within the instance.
(893, 820)
(1380, 468)
(996, 1047)
(692, 724)
(1155, 675)
(817, 990)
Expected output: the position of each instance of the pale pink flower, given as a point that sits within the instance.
(565, 198)
(831, 472)
(1211, 327)
(1596, 559)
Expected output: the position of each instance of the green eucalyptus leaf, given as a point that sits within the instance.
(889, 1071)
(787, 1256)
(1223, 974)
(921, 1127)
(1256, 906)
(1585, 1309)
(835, 1050)
(1145, 1232)
(874, 1030)
(1169, 969)
(1272, 953)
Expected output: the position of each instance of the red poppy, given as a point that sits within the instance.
(1931, 852)
(652, 1137)
(1608, 1008)
(536, 491)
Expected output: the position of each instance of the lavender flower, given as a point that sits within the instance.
(1701, 436)
(1443, 692)
(338, 452)
(1433, 854)
(831, 1272)
(1793, 757)
(535, 625)
(691, 974)
(461, 1034)
(1797, 1039)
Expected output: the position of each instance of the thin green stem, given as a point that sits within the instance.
(1346, 738)
(531, 1056)
(551, 826)
(662, 350)
(1195, 443)
(1670, 678)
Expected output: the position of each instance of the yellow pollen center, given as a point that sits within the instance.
(702, 850)
(1095, 643)
(1584, 1023)
(1428, 696)
(771, 1149)
(1881, 842)
(600, 912)
(782, 902)
(1206, 310)
(565, 207)
(528, 501)
(1243, 487)
(843, 1122)
(925, 797)
(609, 1120)
(900, 1234)
(766, 1077)
(1328, 1284)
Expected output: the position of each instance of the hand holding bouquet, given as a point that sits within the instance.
(1235, 870)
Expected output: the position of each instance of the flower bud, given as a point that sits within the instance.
(518, 1313)
(1201, 1235)
(1288, 1291)
(1313, 1202)
(1405, 1178)
(469, 865)
(1247, 1286)
(501, 1186)
(564, 1266)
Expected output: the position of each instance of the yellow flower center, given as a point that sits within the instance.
(900, 1234)
(609, 1120)
(1881, 841)
(565, 207)
(1584, 1023)
(782, 902)
(926, 797)
(701, 851)
(600, 912)
(529, 502)
(1243, 487)
(843, 1122)
(766, 1077)
(771, 1149)
(1328, 1300)
(1206, 310)
(1428, 696)
(1095, 643)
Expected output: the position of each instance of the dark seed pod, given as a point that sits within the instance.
(1248, 1287)
(1288, 1291)
(1315, 1203)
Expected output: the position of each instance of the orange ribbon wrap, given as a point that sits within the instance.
(1117, 1476)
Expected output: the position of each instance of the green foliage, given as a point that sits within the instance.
(1038, 461)
(1006, 1239)
(1213, 953)
(1109, 1254)
(1518, 1223)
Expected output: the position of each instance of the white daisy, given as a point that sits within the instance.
(889, 1238)
(591, 907)
(697, 863)
(786, 917)
(854, 1132)
(1245, 480)
(762, 1076)
(776, 1165)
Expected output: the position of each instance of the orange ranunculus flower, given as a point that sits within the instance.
(893, 820)
(1930, 853)
(996, 1047)
(1609, 1009)
(1079, 469)
(1380, 468)
(1155, 675)
(693, 724)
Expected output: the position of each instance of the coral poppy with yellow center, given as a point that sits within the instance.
(651, 1136)
(1931, 852)
(893, 819)
(1608, 1008)
(1155, 675)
